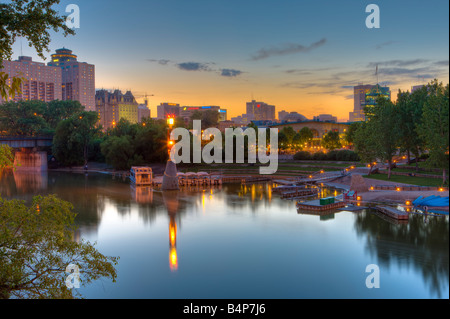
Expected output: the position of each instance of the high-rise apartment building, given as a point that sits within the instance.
(261, 111)
(78, 78)
(113, 106)
(40, 82)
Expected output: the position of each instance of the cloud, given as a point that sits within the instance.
(441, 63)
(230, 72)
(307, 71)
(193, 66)
(289, 48)
(398, 63)
(161, 61)
(381, 45)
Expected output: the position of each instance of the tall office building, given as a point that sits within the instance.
(359, 96)
(78, 78)
(366, 95)
(113, 106)
(261, 111)
(165, 110)
(41, 82)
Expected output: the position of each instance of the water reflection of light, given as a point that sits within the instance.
(173, 258)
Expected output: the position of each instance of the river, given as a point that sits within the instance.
(242, 242)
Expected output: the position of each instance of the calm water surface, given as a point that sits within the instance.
(242, 242)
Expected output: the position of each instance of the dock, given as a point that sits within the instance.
(300, 192)
(315, 206)
(393, 213)
(253, 180)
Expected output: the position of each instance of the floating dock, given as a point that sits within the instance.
(300, 192)
(315, 206)
(393, 213)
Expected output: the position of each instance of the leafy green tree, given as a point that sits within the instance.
(331, 141)
(73, 137)
(410, 108)
(384, 122)
(119, 152)
(209, 118)
(434, 129)
(306, 135)
(23, 118)
(37, 245)
(283, 141)
(31, 20)
(351, 131)
(6, 156)
(289, 133)
(57, 111)
(364, 139)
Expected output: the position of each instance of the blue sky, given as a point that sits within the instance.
(302, 56)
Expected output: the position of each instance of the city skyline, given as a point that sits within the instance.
(306, 58)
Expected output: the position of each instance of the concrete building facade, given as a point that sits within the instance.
(261, 111)
(40, 82)
(113, 106)
(78, 78)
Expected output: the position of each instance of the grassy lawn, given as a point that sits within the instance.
(405, 170)
(298, 163)
(419, 181)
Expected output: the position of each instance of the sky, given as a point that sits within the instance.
(301, 56)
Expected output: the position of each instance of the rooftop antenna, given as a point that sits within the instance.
(376, 73)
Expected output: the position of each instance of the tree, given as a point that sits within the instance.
(119, 151)
(57, 111)
(209, 118)
(23, 118)
(6, 157)
(331, 141)
(435, 126)
(32, 20)
(351, 131)
(410, 108)
(306, 135)
(73, 137)
(36, 246)
(384, 122)
(289, 134)
(364, 139)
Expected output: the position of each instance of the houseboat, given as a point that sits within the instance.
(141, 176)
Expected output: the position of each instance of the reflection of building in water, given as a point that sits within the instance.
(30, 182)
(258, 192)
(142, 194)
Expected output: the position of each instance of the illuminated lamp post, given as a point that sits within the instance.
(170, 178)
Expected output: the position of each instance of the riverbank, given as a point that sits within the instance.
(387, 196)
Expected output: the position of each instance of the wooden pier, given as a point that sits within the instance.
(393, 213)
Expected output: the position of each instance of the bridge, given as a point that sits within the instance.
(27, 156)
(27, 141)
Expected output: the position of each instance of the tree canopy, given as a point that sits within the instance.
(37, 246)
